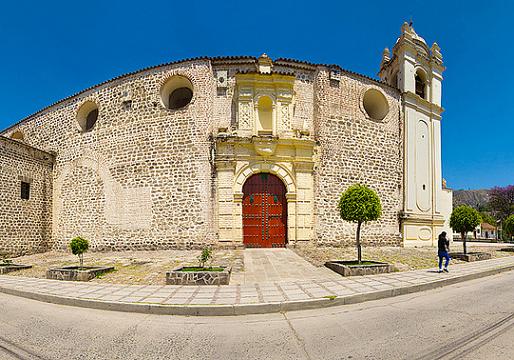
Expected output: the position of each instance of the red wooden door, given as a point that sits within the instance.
(264, 211)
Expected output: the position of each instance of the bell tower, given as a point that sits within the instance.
(416, 70)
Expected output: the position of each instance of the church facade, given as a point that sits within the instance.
(231, 151)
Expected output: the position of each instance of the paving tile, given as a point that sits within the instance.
(200, 302)
(131, 299)
(158, 300)
(226, 300)
(110, 298)
(176, 301)
(247, 295)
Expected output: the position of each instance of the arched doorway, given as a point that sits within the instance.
(264, 211)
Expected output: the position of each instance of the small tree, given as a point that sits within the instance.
(508, 226)
(205, 256)
(359, 204)
(488, 218)
(501, 201)
(463, 219)
(78, 247)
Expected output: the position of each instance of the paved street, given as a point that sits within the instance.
(470, 320)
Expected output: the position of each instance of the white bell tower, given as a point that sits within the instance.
(416, 70)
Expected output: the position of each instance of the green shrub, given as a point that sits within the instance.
(205, 256)
(508, 226)
(463, 219)
(359, 204)
(78, 247)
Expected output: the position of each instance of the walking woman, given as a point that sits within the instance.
(443, 246)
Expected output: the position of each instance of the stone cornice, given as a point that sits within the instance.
(230, 149)
(298, 143)
(418, 103)
(37, 153)
(423, 219)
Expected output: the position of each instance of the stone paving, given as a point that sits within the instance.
(277, 265)
(241, 294)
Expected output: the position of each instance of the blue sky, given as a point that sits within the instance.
(52, 49)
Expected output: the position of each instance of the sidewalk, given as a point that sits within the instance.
(247, 298)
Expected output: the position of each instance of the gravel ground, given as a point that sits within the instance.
(131, 267)
(404, 259)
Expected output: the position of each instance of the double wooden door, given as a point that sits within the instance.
(264, 211)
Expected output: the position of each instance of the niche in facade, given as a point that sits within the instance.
(265, 111)
(375, 104)
(87, 115)
(177, 92)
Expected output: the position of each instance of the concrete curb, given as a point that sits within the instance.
(246, 309)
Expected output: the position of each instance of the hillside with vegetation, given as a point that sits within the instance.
(478, 199)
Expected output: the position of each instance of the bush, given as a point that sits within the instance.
(359, 204)
(508, 226)
(205, 256)
(78, 247)
(463, 219)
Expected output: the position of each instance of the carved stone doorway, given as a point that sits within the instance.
(264, 211)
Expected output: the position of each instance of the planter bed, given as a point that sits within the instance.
(7, 268)
(190, 275)
(77, 273)
(353, 268)
(471, 256)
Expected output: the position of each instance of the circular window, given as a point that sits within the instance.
(177, 92)
(375, 104)
(87, 115)
(180, 98)
(17, 135)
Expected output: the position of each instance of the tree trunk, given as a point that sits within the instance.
(463, 236)
(81, 258)
(359, 250)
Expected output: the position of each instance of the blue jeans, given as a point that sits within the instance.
(443, 254)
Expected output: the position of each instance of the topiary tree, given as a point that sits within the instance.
(508, 226)
(78, 247)
(463, 219)
(359, 204)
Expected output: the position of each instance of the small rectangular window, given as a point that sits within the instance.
(25, 190)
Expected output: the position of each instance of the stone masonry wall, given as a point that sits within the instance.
(356, 149)
(25, 224)
(141, 178)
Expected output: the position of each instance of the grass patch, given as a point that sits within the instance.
(197, 268)
(101, 275)
(330, 297)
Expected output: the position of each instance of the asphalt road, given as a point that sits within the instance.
(472, 320)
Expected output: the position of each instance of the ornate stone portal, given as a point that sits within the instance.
(264, 142)
(238, 158)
